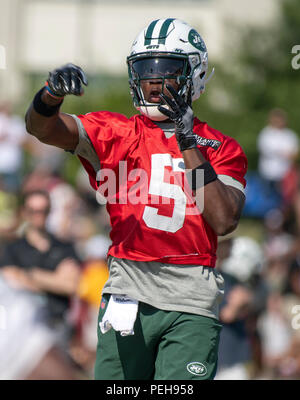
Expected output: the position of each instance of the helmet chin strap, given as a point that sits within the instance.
(152, 112)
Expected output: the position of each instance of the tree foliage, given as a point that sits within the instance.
(262, 76)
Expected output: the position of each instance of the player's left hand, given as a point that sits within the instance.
(182, 114)
(66, 80)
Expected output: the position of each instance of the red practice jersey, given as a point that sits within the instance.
(153, 218)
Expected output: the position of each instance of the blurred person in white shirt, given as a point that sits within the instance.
(278, 148)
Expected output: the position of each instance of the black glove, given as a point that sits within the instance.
(66, 80)
(183, 116)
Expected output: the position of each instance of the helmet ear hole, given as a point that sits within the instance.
(202, 74)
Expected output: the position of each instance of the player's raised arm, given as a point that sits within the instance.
(44, 119)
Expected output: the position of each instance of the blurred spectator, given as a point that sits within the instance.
(98, 210)
(239, 264)
(66, 204)
(275, 334)
(28, 348)
(278, 149)
(85, 190)
(290, 186)
(12, 138)
(278, 249)
(40, 263)
(93, 278)
(43, 156)
(290, 362)
(280, 336)
(278, 242)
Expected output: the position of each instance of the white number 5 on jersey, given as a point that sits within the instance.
(172, 191)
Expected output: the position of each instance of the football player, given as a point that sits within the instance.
(158, 316)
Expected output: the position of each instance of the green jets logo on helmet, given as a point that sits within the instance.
(196, 40)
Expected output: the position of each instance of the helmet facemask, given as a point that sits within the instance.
(161, 67)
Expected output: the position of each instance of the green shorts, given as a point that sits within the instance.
(165, 345)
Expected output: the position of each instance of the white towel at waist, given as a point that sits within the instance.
(120, 315)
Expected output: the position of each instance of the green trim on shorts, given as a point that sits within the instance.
(166, 345)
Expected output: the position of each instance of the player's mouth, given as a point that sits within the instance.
(154, 96)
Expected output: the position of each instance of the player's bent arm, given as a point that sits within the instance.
(223, 204)
(58, 130)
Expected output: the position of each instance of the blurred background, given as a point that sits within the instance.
(50, 327)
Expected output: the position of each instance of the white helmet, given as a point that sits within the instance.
(167, 49)
(246, 259)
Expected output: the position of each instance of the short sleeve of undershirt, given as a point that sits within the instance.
(228, 180)
(84, 147)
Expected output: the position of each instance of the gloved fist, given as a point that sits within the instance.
(67, 79)
(182, 114)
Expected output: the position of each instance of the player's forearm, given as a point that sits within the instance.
(222, 205)
(38, 125)
(58, 130)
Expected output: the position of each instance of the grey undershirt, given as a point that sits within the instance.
(186, 288)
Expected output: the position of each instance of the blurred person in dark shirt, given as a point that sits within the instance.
(40, 263)
(240, 263)
(66, 205)
(279, 247)
(94, 275)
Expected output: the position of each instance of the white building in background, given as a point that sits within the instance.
(41, 34)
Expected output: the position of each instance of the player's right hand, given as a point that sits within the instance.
(67, 79)
(182, 115)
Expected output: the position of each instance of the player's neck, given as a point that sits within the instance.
(165, 124)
